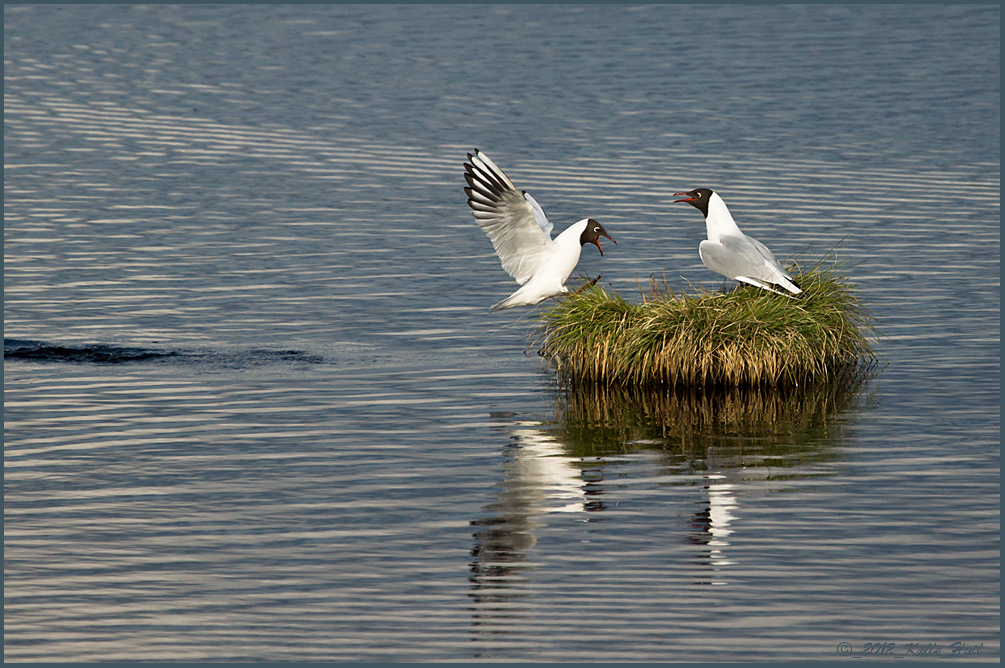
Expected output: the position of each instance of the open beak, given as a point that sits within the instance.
(689, 196)
(597, 241)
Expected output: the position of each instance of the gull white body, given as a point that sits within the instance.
(730, 252)
(521, 234)
(558, 259)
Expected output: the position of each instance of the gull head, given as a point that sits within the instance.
(591, 235)
(698, 198)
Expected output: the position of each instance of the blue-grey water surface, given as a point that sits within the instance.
(255, 406)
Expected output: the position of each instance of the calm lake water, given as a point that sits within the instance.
(255, 406)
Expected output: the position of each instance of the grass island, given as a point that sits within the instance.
(744, 337)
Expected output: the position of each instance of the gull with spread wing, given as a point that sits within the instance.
(521, 234)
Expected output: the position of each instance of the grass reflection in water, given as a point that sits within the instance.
(734, 426)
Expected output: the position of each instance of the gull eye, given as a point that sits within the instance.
(697, 195)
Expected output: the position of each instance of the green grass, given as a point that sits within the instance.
(747, 337)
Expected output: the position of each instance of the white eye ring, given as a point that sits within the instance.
(697, 195)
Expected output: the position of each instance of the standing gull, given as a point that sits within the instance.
(521, 234)
(732, 253)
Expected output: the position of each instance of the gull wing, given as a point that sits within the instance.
(747, 260)
(769, 257)
(749, 257)
(516, 224)
(775, 274)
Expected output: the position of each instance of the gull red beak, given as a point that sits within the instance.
(597, 241)
(683, 201)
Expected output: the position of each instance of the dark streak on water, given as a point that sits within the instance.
(38, 351)
(97, 353)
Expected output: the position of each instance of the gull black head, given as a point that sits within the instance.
(592, 234)
(698, 198)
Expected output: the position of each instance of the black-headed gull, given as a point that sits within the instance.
(521, 234)
(729, 251)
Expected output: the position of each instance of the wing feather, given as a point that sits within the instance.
(759, 261)
(539, 216)
(497, 173)
(746, 259)
(483, 192)
(476, 197)
(511, 219)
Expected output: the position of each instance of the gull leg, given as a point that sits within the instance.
(588, 285)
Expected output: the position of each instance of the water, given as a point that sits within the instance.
(256, 408)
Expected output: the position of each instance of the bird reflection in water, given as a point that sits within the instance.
(710, 527)
(538, 478)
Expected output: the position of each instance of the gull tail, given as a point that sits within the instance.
(518, 298)
(788, 285)
(504, 304)
(764, 285)
(528, 295)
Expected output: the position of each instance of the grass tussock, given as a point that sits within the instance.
(747, 337)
